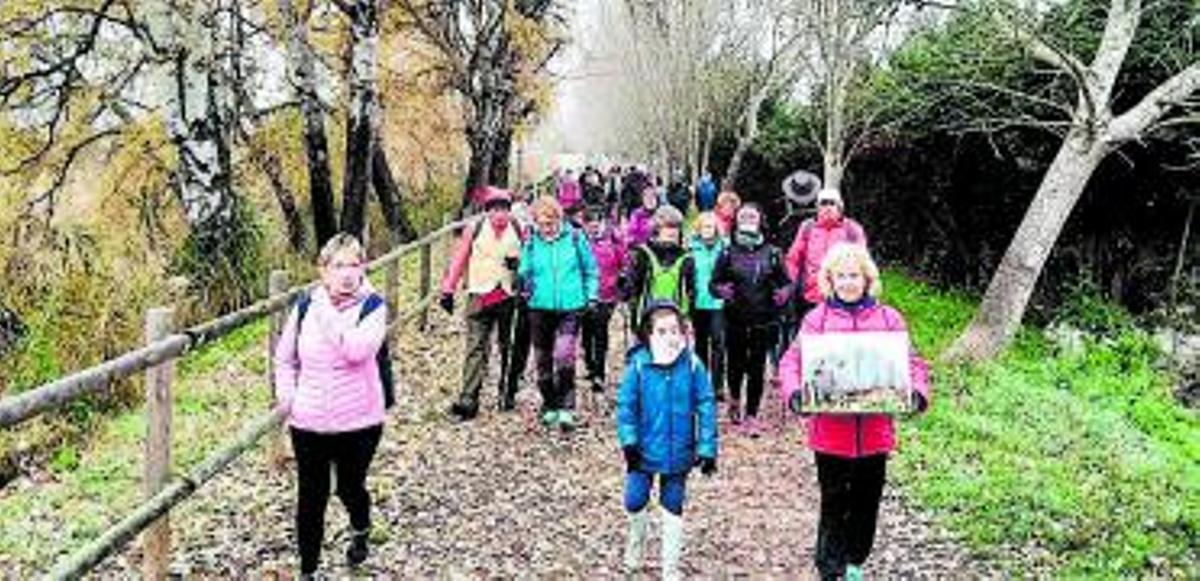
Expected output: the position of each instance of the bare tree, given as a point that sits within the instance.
(1093, 131)
(303, 72)
(481, 62)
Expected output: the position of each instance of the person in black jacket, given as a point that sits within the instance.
(751, 278)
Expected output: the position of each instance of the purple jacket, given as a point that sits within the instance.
(328, 378)
(640, 227)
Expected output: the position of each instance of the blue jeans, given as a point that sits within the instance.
(672, 490)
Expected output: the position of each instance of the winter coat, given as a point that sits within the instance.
(569, 194)
(756, 273)
(483, 235)
(640, 227)
(856, 435)
(560, 273)
(327, 377)
(706, 194)
(641, 271)
(609, 251)
(704, 259)
(668, 412)
(813, 240)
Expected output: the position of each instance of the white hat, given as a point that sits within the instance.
(829, 194)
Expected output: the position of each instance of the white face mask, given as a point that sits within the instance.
(665, 348)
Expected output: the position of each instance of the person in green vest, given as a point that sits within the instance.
(708, 321)
(662, 269)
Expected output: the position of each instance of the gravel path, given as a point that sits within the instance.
(502, 497)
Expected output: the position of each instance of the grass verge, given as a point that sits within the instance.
(1078, 463)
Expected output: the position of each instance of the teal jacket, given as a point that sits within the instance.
(559, 274)
(704, 257)
(667, 411)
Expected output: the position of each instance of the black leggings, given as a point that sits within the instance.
(350, 454)
(850, 492)
(595, 339)
(747, 347)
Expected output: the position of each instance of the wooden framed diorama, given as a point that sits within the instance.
(855, 373)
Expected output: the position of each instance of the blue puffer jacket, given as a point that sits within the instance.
(668, 412)
(561, 271)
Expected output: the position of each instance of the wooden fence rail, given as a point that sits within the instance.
(156, 359)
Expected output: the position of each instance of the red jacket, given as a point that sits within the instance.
(813, 240)
(851, 436)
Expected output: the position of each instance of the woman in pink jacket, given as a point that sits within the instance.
(328, 381)
(851, 450)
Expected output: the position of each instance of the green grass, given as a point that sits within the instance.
(217, 389)
(1083, 456)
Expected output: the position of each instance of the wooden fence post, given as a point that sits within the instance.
(426, 281)
(391, 292)
(277, 283)
(156, 541)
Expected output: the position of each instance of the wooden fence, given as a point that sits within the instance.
(157, 359)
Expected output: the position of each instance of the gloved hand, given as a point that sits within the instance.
(708, 465)
(593, 305)
(525, 289)
(510, 262)
(633, 458)
(781, 296)
(447, 302)
(725, 290)
(795, 402)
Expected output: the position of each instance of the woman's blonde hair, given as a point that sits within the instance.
(707, 217)
(546, 205)
(845, 254)
(341, 243)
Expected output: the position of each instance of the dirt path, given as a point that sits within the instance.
(501, 497)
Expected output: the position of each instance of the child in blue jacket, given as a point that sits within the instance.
(666, 424)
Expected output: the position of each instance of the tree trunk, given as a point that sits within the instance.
(271, 166)
(501, 157)
(479, 168)
(1008, 294)
(390, 198)
(316, 145)
(745, 140)
(362, 115)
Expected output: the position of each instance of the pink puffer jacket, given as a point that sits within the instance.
(813, 240)
(609, 250)
(327, 377)
(851, 436)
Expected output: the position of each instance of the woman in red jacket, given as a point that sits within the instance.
(851, 450)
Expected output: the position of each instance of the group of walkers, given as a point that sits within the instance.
(707, 307)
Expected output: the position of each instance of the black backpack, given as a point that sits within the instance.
(383, 359)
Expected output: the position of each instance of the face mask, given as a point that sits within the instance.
(665, 349)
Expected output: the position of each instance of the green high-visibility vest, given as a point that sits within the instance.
(665, 284)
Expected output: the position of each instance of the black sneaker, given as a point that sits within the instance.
(358, 550)
(463, 412)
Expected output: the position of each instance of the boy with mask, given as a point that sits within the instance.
(666, 424)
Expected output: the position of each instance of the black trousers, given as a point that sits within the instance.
(350, 454)
(747, 347)
(595, 339)
(709, 327)
(850, 492)
(555, 335)
(519, 349)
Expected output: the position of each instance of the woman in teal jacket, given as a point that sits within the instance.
(666, 423)
(708, 321)
(559, 278)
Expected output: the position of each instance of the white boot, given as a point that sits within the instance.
(635, 542)
(672, 545)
